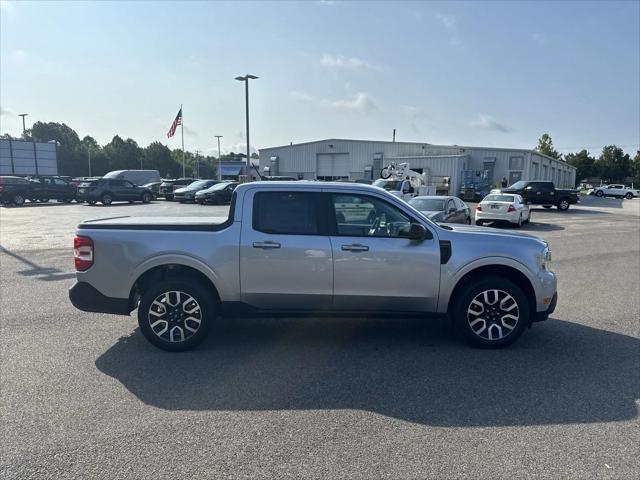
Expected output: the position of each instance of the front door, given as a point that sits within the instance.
(285, 263)
(375, 267)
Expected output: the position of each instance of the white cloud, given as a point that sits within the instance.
(341, 61)
(448, 21)
(19, 53)
(360, 102)
(486, 122)
(190, 131)
(539, 38)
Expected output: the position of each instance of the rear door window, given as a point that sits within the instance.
(286, 213)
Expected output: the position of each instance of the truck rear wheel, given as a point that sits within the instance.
(563, 204)
(491, 312)
(176, 314)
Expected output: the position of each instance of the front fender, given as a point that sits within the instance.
(450, 279)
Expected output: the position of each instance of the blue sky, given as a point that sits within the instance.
(466, 73)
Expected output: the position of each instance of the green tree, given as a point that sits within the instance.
(158, 157)
(545, 146)
(636, 168)
(613, 164)
(584, 163)
(70, 159)
(123, 154)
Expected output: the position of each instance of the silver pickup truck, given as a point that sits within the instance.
(311, 247)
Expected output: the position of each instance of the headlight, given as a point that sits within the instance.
(545, 259)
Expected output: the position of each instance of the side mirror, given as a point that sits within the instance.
(418, 232)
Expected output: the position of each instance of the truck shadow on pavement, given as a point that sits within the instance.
(47, 274)
(415, 370)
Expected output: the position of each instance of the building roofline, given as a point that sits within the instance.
(524, 150)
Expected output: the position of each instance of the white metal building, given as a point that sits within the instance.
(335, 159)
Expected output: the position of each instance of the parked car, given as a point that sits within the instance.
(137, 177)
(282, 249)
(617, 190)
(543, 193)
(154, 187)
(45, 188)
(442, 209)
(218, 194)
(167, 187)
(14, 190)
(107, 191)
(188, 193)
(502, 207)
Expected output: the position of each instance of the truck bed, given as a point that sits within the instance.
(211, 224)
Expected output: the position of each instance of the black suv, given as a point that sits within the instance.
(45, 188)
(14, 190)
(168, 186)
(107, 191)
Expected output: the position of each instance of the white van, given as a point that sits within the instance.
(137, 177)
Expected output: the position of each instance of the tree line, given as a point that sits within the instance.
(612, 165)
(119, 154)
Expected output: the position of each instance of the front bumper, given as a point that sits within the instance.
(85, 297)
(542, 316)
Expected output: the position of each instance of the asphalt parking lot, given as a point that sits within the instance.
(85, 396)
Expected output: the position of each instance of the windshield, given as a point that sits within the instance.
(199, 184)
(499, 198)
(389, 185)
(427, 204)
(219, 186)
(519, 185)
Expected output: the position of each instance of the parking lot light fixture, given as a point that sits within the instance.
(246, 79)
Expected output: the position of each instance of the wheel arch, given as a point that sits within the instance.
(162, 268)
(510, 270)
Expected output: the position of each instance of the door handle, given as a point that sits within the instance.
(266, 245)
(356, 247)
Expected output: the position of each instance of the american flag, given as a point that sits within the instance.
(174, 125)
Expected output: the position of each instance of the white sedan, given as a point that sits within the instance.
(502, 207)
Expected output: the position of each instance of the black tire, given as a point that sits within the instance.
(547, 206)
(519, 224)
(470, 324)
(168, 198)
(599, 193)
(629, 196)
(106, 199)
(132, 201)
(149, 314)
(43, 200)
(479, 223)
(468, 222)
(564, 204)
(18, 199)
(68, 200)
(91, 202)
(146, 197)
(385, 173)
(528, 220)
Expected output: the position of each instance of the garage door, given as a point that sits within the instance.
(332, 164)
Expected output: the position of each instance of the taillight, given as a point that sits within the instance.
(82, 253)
(511, 208)
(478, 208)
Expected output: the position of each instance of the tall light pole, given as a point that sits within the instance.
(24, 129)
(246, 79)
(219, 165)
(89, 158)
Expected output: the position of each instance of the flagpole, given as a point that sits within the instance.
(182, 131)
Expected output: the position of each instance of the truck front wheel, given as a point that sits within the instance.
(491, 312)
(176, 314)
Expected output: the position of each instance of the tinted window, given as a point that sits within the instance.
(127, 184)
(286, 213)
(427, 204)
(116, 183)
(365, 216)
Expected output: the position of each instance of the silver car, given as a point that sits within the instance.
(313, 248)
(442, 209)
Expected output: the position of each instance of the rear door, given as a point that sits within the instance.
(285, 260)
(375, 267)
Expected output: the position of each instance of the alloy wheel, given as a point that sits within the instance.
(174, 316)
(18, 199)
(493, 314)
